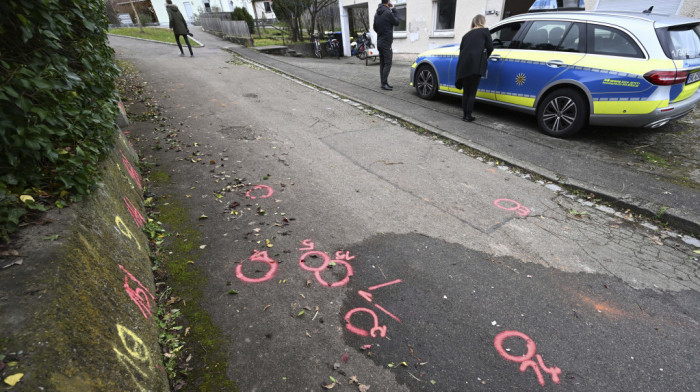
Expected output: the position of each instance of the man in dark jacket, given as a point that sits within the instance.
(384, 21)
(178, 26)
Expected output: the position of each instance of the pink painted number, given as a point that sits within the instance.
(139, 295)
(512, 205)
(526, 360)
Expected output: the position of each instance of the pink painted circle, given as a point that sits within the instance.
(498, 343)
(269, 275)
(497, 203)
(339, 283)
(265, 187)
(326, 260)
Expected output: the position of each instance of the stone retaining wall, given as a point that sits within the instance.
(79, 309)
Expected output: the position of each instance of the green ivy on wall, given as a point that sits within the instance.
(58, 104)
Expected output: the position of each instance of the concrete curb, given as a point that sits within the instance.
(158, 42)
(679, 219)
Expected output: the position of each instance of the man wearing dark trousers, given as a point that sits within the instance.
(178, 25)
(384, 21)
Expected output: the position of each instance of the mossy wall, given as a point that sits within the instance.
(79, 312)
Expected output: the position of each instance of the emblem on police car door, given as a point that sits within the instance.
(520, 79)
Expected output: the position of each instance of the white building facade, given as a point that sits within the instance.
(427, 24)
(191, 8)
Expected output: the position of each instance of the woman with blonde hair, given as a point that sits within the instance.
(474, 51)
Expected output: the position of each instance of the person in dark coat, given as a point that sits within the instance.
(384, 21)
(474, 52)
(178, 26)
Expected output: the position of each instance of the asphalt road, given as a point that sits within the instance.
(654, 171)
(363, 251)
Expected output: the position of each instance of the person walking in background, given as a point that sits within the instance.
(178, 26)
(474, 51)
(384, 21)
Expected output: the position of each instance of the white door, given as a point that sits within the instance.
(188, 11)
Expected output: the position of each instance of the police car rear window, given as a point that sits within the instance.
(681, 42)
(610, 41)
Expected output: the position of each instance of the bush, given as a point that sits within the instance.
(240, 13)
(58, 104)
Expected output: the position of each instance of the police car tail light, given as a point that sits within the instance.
(666, 78)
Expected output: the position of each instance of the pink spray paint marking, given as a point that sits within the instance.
(376, 329)
(384, 284)
(342, 282)
(309, 245)
(258, 256)
(369, 298)
(138, 218)
(139, 295)
(516, 207)
(341, 258)
(258, 187)
(526, 360)
(130, 169)
(340, 255)
(387, 312)
(365, 295)
(323, 266)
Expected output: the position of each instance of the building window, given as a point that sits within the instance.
(444, 14)
(268, 8)
(401, 11)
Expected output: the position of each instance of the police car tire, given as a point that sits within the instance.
(425, 75)
(565, 105)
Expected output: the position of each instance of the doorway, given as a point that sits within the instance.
(516, 7)
(188, 11)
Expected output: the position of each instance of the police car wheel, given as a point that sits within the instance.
(426, 82)
(562, 113)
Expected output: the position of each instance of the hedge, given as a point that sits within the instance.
(58, 103)
(240, 13)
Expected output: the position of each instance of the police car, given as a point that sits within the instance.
(570, 69)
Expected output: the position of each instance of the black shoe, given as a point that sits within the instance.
(468, 118)
(386, 87)
(390, 86)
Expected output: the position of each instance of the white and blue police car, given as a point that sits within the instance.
(570, 69)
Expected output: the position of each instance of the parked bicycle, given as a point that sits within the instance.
(333, 46)
(364, 42)
(317, 46)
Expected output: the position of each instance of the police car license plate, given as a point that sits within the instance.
(693, 77)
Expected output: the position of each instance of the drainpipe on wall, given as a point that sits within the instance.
(345, 30)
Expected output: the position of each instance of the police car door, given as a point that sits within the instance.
(503, 37)
(545, 54)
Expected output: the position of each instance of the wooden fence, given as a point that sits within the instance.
(231, 28)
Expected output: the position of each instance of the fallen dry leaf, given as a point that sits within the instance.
(344, 357)
(363, 388)
(353, 380)
(13, 379)
(329, 386)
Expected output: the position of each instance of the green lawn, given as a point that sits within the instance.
(271, 36)
(154, 33)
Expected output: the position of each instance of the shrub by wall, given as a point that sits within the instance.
(58, 103)
(240, 13)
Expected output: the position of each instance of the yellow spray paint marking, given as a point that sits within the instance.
(137, 350)
(125, 230)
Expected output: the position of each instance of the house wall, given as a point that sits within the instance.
(198, 6)
(420, 34)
